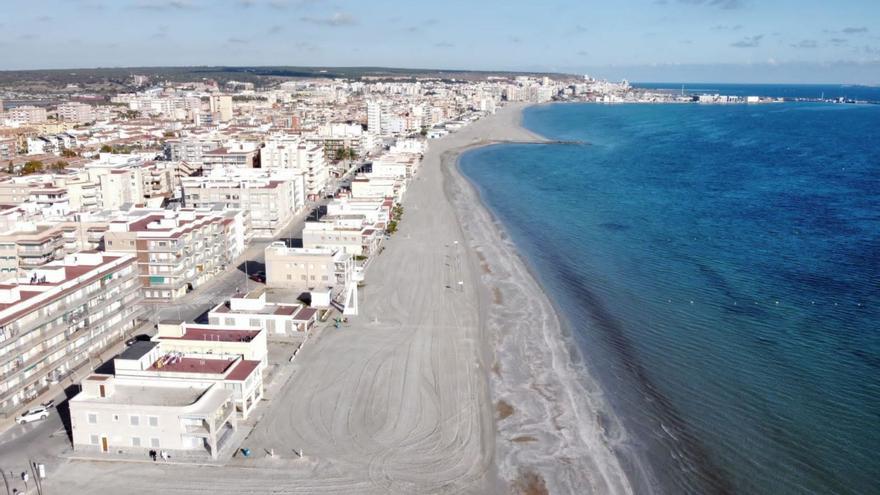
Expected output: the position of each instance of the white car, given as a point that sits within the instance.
(35, 414)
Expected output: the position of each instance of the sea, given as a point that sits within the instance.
(719, 269)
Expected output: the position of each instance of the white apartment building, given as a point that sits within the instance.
(60, 319)
(192, 148)
(279, 320)
(220, 340)
(374, 210)
(364, 186)
(292, 152)
(317, 270)
(272, 197)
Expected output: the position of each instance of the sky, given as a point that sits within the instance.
(759, 41)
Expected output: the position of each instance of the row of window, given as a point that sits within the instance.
(133, 419)
(135, 441)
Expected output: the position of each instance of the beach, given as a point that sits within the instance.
(455, 378)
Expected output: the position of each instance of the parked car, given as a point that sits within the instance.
(259, 277)
(36, 414)
(49, 404)
(138, 338)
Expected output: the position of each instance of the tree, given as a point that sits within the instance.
(32, 167)
(68, 153)
(10, 169)
(106, 149)
(60, 165)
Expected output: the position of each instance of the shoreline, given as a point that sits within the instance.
(542, 397)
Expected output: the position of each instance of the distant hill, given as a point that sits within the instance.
(108, 79)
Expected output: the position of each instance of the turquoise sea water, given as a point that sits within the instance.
(719, 267)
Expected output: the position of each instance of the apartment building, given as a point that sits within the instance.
(291, 152)
(279, 320)
(30, 246)
(272, 198)
(8, 147)
(76, 112)
(368, 187)
(221, 104)
(349, 233)
(192, 148)
(133, 415)
(375, 211)
(26, 114)
(237, 155)
(60, 319)
(178, 251)
(307, 269)
(156, 362)
(218, 340)
(336, 136)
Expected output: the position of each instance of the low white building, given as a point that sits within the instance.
(252, 309)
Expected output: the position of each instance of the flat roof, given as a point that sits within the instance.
(191, 365)
(138, 350)
(151, 395)
(216, 334)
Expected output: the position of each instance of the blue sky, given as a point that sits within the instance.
(645, 40)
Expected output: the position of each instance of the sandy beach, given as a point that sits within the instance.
(455, 378)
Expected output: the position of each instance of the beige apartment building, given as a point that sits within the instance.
(132, 415)
(307, 269)
(61, 319)
(349, 233)
(178, 251)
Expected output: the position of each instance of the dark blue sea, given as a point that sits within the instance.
(719, 267)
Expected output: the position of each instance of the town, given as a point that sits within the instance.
(169, 251)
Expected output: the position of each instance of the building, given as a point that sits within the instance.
(60, 319)
(272, 198)
(221, 340)
(178, 251)
(76, 112)
(222, 104)
(26, 114)
(349, 233)
(290, 152)
(279, 320)
(307, 269)
(155, 362)
(192, 148)
(131, 415)
(238, 155)
(8, 147)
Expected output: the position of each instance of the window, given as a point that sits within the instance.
(135, 441)
(94, 439)
(154, 442)
(154, 421)
(93, 418)
(115, 417)
(134, 420)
